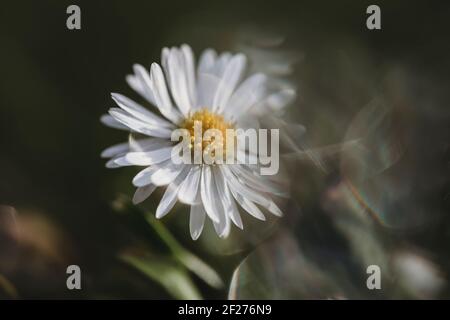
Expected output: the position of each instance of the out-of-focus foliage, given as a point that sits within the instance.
(171, 269)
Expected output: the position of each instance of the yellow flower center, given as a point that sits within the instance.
(208, 120)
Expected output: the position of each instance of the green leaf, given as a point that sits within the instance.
(179, 253)
(185, 257)
(167, 273)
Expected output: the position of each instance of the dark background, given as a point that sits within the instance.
(55, 84)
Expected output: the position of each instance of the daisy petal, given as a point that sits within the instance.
(223, 226)
(170, 196)
(230, 78)
(279, 100)
(189, 63)
(164, 62)
(166, 174)
(135, 83)
(207, 61)
(109, 121)
(274, 103)
(145, 158)
(207, 87)
(138, 125)
(228, 202)
(256, 181)
(207, 193)
(240, 188)
(212, 203)
(196, 220)
(114, 150)
(143, 178)
(248, 206)
(161, 94)
(221, 63)
(111, 164)
(143, 193)
(139, 111)
(189, 188)
(143, 76)
(250, 92)
(178, 81)
(148, 144)
(167, 202)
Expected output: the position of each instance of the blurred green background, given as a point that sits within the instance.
(70, 209)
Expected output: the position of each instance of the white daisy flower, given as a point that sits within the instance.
(215, 94)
